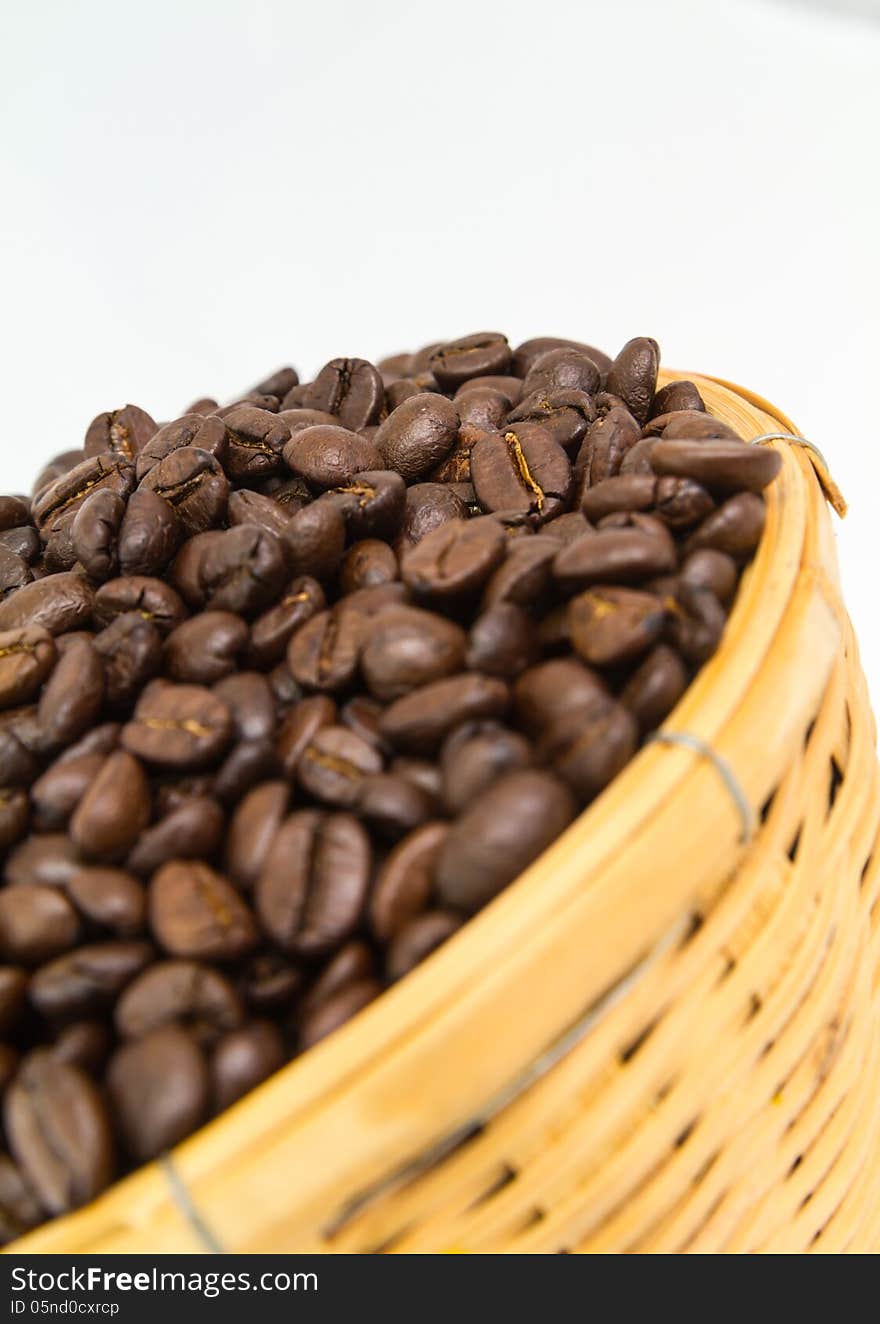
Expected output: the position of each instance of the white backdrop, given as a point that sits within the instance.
(197, 192)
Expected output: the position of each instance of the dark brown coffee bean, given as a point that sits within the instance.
(371, 503)
(278, 383)
(269, 983)
(366, 564)
(13, 815)
(49, 858)
(64, 497)
(393, 805)
(561, 369)
(185, 993)
(633, 375)
(721, 466)
(23, 542)
(696, 622)
(418, 939)
(331, 1014)
(241, 570)
(323, 654)
(611, 625)
(252, 829)
(454, 560)
(607, 442)
(476, 755)
(14, 511)
(690, 425)
(83, 1044)
(405, 881)
(328, 456)
(148, 536)
(249, 698)
(72, 696)
(418, 434)
(734, 528)
(525, 576)
(243, 1059)
(351, 389)
(246, 764)
(409, 647)
(36, 924)
(178, 726)
(655, 687)
(131, 651)
(353, 962)
(95, 533)
(428, 505)
(87, 981)
(421, 720)
(614, 556)
(361, 714)
(60, 464)
(472, 356)
(114, 811)
(502, 641)
(564, 414)
(159, 1090)
(713, 570)
(195, 912)
(481, 406)
(553, 688)
(191, 830)
(57, 603)
(193, 484)
(13, 997)
(521, 469)
(589, 749)
(124, 431)
(256, 441)
(271, 632)
(59, 1132)
(206, 647)
(246, 507)
(314, 540)
(500, 835)
(334, 764)
(19, 1208)
(152, 599)
(192, 430)
(675, 396)
(313, 885)
(111, 898)
(27, 656)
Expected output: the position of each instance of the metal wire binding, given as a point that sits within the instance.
(685, 740)
(795, 441)
(184, 1202)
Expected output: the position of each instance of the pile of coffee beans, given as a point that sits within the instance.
(291, 687)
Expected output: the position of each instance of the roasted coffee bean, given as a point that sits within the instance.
(721, 466)
(269, 983)
(49, 858)
(313, 884)
(195, 912)
(696, 622)
(152, 599)
(366, 564)
(633, 375)
(418, 939)
(409, 647)
(58, 465)
(328, 456)
(351, 389)
(191, 830)
(353, 962)
(420, 721)
(205, 648)
(57, 603)
(371, 503)
(193, 483)
(565, 414)
(393, 805)
(481, 406)
(734, 528)
(691, 425)
(247, 763)
(554, 688)
(14, 511)
(604, 448)
(361, 715)
(243, 1059)
(249, 698)
(241, 570)
(246, 507)
(713, 570)
(124, 431)
(298, 728)
(521, 469)
(58, 1132)
(562, 370)
(148, 535)
(110, 898)
(278, 383)
(588, 750)
(655, 687)
(114, 811)
(13, 996)
(23, 542)
(13, 815)
(131, 651)
(185, 993)
(27, 656)
(323, 654)
(331, 1014)
(72, 696)
(525, 576)
(454, 560)
(67, 494)
(178, 726)
(252, 829)
(676, 396)
(404, 883)
(87, 980)
(418, 434)
(256, 441)
(428, 505)
(36, 924)
(95, 533)
(314, 541)
(474, 756)
(159, 1089)
(472, 356)
(612, 625)
(502, 641)
(614, 556)
(207, 434)
(499, 836)
(271, 632)
(334, 765)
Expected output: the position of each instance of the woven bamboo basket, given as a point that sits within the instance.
(664, 1037)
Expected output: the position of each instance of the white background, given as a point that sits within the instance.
(195, 193)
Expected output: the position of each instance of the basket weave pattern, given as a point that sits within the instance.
(720, 1093)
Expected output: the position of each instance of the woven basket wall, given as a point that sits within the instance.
(663, 1037)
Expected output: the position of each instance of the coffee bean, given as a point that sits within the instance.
(713, 570)
(110, 898)
(193, 484)
(734, 528)
(502, 641)
(676, 396)
(95, 533)
(179, 726)
(114, 811)
(366, 564)
(13, 996)
(148, 534)
(633, 375)
(393, 805)
(313, 885)
(243, 1059)
(84, 1044)
(588, 750)
(299, 727)
(130, 648)
(56, 794)
(418, 434)
(153, 600)
(252, 829)
(314, 541)
(614, 556)
(691, 425)
(186, 993)
(604, 448)
(14, 511)
(428, 505)
(195, 912)
(192, 430)
(405, 881)
(525, 577)
(72, 696)
(454, 560)
(474, 756)
(334, 764)
(124, 432)
(27, 656)
(36, 924)
(721, 466)
(278, 383)
(351, 389)
(481, 406)
(420, 721)
(331, 1014)
(371, 503)
(328, 456)
(13, 816)
(564, 414)
(562, 369)
(192, 830)
(159, 1089)
(271, 632)
(418, 939)
(611, 625)
(59, 1132)
(256, 441)
(471, 356)
(409, 647)
(323, 654)
(23, 542)
(655, 687)
(49, 858)
(521, 469)
(555, 688)
(696, 622)
(205, 648)
(87, 981)
(57, 603)
(269, 983)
